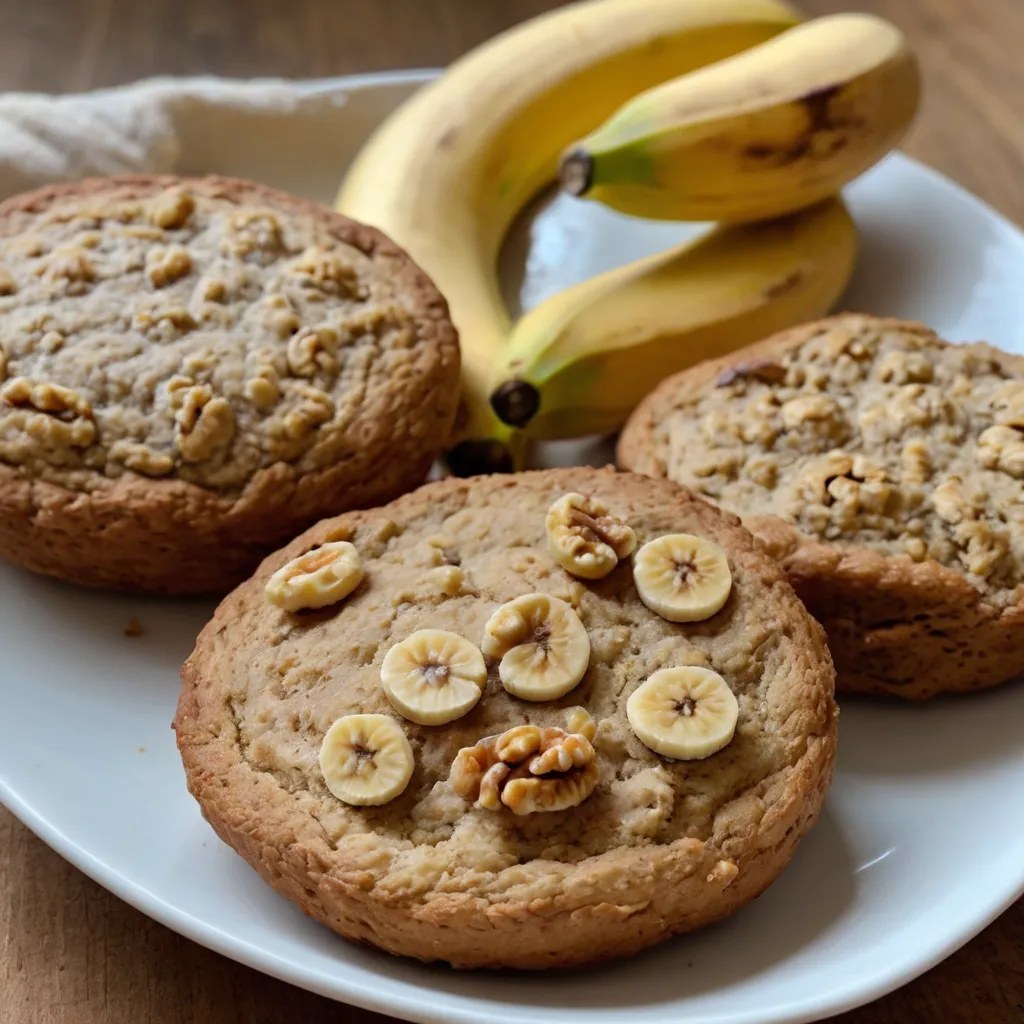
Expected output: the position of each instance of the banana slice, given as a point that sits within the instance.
(682, 578)
(685, 713)
(318, 578)
(543, 646)
(433, 676)
(366, 760)
(585, 539)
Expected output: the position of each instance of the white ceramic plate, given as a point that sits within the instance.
(921, 843)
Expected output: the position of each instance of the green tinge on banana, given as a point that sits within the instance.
(580, 362)
(768, 131)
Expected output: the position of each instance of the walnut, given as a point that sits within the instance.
(165, 266)
(765, 370)
(171, 209)
(840, 491)
(313, 349)
(585, 539)
(166, 324)
(264, 389)
(1008, 404)
(905, 368)
(951, 503)
(814, 421)
(254, 236)
(983, 547)
(24, 392)
(1002, 448)
(142, 459)
(204, 423)
(328, 271)
(916, 462)
(54, 415)
(808, 409)
(528, 769)
(316, 408)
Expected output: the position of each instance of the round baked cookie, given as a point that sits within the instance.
(659, 846)
(884, 468)
(193, 370)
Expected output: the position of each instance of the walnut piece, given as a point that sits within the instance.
(327, 271)
(585, 539)
(165, 266)
(765, 370)
(529, 769)
(23, 392)
(204, 423)
(313, 349)
(171, 209)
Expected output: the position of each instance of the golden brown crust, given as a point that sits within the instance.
(912, 629)
(130, 531)
(659, 848)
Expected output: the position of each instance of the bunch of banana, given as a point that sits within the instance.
(785, 117)
(580, 362)
(447, 173)
(758, 135)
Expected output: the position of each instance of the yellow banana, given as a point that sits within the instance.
(447, 173)
(763, 133)
(579, 362)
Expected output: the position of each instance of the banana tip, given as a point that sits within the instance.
(576, 172)
(515, 402)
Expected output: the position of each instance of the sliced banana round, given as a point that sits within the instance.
(681, 577)
(318, 578)
(543, 646)
(433, 676)
(585, 539)
(685, 713)
(366, 760)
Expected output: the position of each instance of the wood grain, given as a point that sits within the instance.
(70, 953)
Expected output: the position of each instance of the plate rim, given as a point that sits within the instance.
(477, 1010)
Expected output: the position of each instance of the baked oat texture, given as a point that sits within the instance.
(884, 468)
(193, 370)
(658, 848)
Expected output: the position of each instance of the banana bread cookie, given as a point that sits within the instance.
(459, 759)
(193, 370)
(884, 468)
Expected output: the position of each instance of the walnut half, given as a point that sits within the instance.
(529, 769)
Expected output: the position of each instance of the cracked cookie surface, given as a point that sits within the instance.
(209, 346)
(885, 467)
(437, 876)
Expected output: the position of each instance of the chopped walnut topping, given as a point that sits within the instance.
(142, 459)
(45, 397)
(165, 266)
(171, 209)
(204, 423)
(527, 769)
(765, 370)
(313, 350)
(329, 272)
(254, 236)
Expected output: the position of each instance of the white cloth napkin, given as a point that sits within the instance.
(295, 135)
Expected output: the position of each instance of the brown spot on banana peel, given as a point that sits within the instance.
(822, 118)
(787, 284)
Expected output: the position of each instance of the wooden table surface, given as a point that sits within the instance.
(70, 953)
